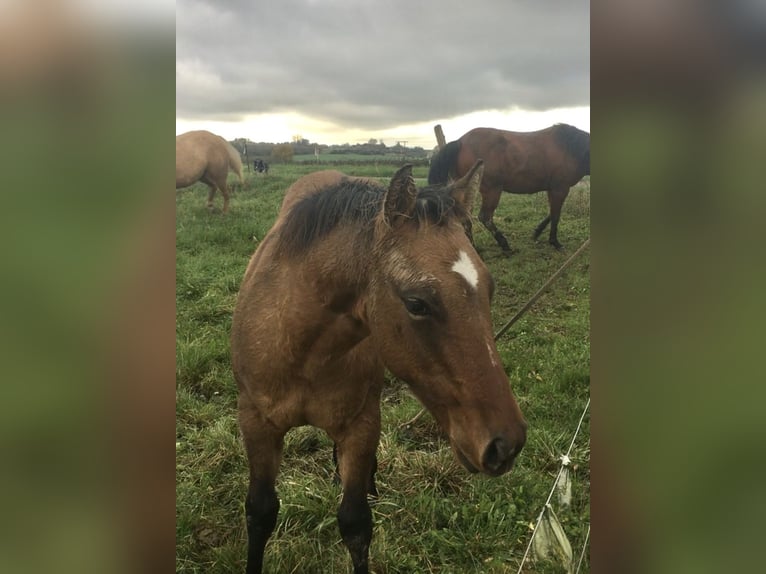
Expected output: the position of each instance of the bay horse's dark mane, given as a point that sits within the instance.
(354, 201)
(575, 141)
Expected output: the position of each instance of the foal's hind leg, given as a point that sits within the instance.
(489, 202)
(264, 452)
(356, 464)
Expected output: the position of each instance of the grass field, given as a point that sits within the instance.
(432, 515)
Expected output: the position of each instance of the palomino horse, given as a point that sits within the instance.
(354, 278)
(202, 156)
(551, 160)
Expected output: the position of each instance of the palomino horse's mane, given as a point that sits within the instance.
(358, 202)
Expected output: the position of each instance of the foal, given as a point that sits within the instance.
(354, 278)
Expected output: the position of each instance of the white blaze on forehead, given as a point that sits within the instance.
(465, 267)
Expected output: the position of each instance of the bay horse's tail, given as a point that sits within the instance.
(235, 161)
(443, 163)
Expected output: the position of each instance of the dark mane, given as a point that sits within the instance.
(358, 203)
(575, 141)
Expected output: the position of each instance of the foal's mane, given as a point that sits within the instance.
(357, 202)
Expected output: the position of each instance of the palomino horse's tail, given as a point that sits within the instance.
(235, 162)
(443, 163)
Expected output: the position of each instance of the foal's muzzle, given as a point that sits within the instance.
(498, 457)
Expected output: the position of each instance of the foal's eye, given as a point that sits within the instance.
(416, 307)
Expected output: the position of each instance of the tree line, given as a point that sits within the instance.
(286, 151)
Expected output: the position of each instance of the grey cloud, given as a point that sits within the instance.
(379, 64)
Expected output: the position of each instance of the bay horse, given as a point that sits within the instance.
(552, 160)
(204, 156)
(355, 278)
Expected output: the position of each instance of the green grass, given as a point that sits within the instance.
(432, 516)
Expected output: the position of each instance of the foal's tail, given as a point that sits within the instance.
(235, 162)
(443, 163)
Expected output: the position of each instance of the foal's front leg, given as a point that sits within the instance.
(356, 463)
(264, 452)
(372, 488)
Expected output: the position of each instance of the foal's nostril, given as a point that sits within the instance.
(498, 456)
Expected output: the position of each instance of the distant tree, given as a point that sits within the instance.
(372, 141)
(262, 149)
(282, 153)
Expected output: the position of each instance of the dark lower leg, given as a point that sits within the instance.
(553, 238)
(261, 509)
(501, 240)
(543, 224)
(355, 523)
(496, 233)
(264, 451)
(556, 200)
(356, 465)
(489, 202)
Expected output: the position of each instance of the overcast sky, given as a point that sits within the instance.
(337, 71)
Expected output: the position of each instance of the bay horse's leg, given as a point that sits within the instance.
(489, 202)
(264, 452)
(543, 224)
(356, 464)
(556, 199)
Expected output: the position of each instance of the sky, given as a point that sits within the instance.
(347, 71)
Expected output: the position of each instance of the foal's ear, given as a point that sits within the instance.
(466, 188)
(400, 197)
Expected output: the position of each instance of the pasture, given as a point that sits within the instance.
(431, 515)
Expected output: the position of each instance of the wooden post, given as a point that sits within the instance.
(440, 141)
